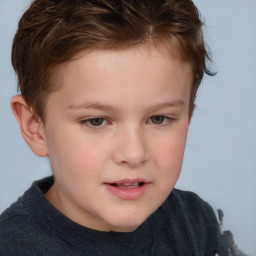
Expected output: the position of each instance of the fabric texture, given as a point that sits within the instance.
(184, 225)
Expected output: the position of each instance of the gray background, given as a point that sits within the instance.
(220, 160)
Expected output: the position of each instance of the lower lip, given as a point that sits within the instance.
(129, 193)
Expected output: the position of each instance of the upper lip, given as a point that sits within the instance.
(128, 181)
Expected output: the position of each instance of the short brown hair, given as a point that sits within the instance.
(51, 32)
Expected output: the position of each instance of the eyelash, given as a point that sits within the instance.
(167, 120)
(88, 122)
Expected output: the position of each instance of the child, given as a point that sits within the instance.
(107, 93)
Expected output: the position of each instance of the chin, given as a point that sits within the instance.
(127, 223)
(124, 228)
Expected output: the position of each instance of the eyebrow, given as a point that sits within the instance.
(93, 106)
(177, 103)
(109, 108)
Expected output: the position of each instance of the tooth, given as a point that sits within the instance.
(131, 184)
(127, 185)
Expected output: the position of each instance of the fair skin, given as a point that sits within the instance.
(115, 133)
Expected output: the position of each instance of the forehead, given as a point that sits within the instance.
(139, 72)
(107, 61)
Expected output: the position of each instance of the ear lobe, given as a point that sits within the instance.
(31, 126)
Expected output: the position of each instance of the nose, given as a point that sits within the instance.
(131, 149)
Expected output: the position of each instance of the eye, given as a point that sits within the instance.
(94, 122)
(160, 119)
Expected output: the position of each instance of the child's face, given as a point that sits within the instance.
(115, 133)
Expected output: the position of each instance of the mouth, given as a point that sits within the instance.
(127, 185)
(128, 189)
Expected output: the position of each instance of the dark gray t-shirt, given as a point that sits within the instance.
(184, 225)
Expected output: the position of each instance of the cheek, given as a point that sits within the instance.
(169, 153)
(76, 166)
(76, 155)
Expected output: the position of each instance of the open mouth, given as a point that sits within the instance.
(127, 185)
(128, 189)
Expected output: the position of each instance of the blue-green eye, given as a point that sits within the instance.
(159, 119)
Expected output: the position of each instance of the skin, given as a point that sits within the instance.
(140, 99)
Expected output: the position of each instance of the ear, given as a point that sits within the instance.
(31, 126)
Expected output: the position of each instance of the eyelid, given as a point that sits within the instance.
(168, 120)
(86, 122)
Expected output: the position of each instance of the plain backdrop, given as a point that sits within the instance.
(220, 160)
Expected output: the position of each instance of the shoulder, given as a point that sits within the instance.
(14, 227)
(19, 216)
(197, 211)
(13, 217)
(197, 219)
(19, 226)
(187, 196)
(193, 204)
